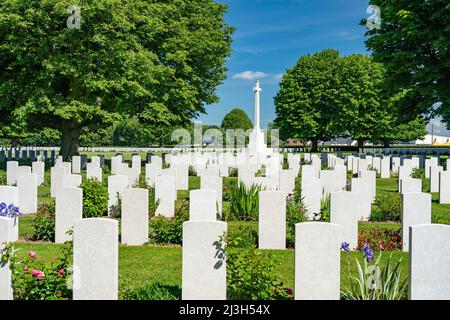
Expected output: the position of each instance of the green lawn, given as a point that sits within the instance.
(146, 264)
(143, 265)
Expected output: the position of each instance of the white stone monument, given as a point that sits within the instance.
(96, 259)
(317, 261)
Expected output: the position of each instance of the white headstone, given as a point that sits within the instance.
(204, 267)
(203, 205)
(428, 164)
(317, 261)
(11, 172)
(410, 185)
(38, 168)
(134, 216)
(136, 162)
(311, 193)
(96, 259)
(71, 181)
(385, 169)
(27, 186)
(56, 176)
(444, 187)
(182, 177)
(166, 194)
(6, 233)
(363, 186)
(287, 181)
(94, 172)
(434, 178)
(416, 209)
(429, 262)
(152, 170)
(345, 211)
(372, 175)
(68, 209)
(213, 183)
(76, 164)
(272, 220)
(10, 195)
(116, 184)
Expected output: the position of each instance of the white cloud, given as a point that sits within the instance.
(438, 127)
(255, 75)
(250, 75)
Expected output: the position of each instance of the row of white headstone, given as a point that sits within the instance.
(317, 260)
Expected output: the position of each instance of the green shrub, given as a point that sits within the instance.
(34, 278)
(244, 235)
(228, 184)
(377, 215)
(95, 199)
(164, 230)
(2, 179)
(295, 213)
(44, 223)
(244, 203)
(389, 205)
(418, 173)
(154, 291)
(250, 275)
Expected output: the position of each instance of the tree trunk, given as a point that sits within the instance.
(315, 142)
(360, 144)
(386, 144)
(69, 141)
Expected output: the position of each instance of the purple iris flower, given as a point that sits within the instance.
(345, 246)
(368, 252)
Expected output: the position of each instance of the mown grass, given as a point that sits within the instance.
(146, 264)
(143, 265)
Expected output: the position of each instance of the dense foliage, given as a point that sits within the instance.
(164, 230)
(44, 222)
(95, 198)
(412, 43)
(325, 96)
(158, 61)
(236, 119)
(35, 278)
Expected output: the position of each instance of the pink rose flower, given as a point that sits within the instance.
(26, 268)
(61, 272)
(32, 254)
(40, 275)
(34, 272)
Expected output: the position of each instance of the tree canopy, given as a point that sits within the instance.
(412, 43)
(325, 96)
(157, 61)
(307, 102)
(236, 119)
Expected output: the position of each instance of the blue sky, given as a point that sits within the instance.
(271, 35)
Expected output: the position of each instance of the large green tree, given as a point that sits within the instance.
(413, 44)
(159, 61)
(308, 103)
(369, 113)
(236, 119)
